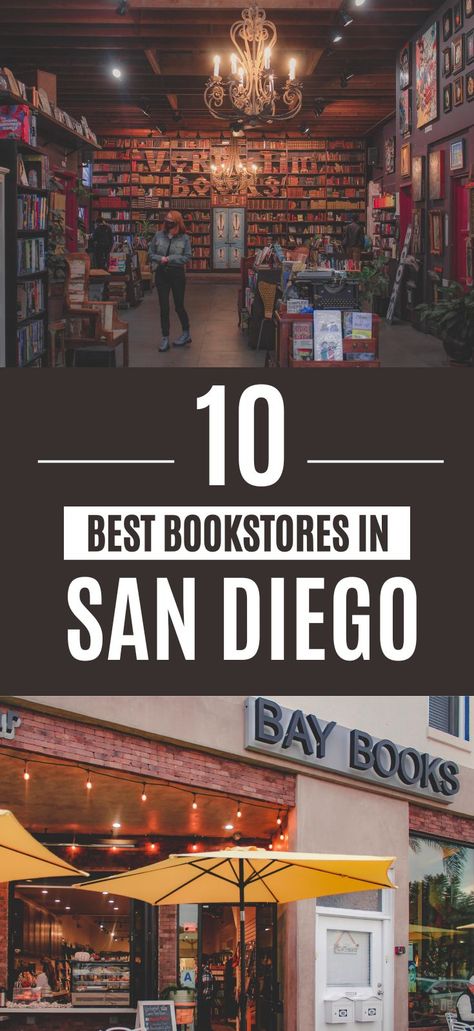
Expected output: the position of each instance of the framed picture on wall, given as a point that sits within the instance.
(470, 47)
(470, 86)
(418, 234)
(458, 97)
(436, 174)
(447, 61)
(436, 232)
(447, 25)
(427, 76)
(456, 156)
(457, 16)
(405, 112)
(418, 178)
(448, 98)
(405, 160)
(468, 8)
(458, 54)
(389, 155)
(405, 67)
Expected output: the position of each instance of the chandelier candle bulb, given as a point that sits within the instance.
(292, 71)
(217, 62)
(267, 56)
(233, 64)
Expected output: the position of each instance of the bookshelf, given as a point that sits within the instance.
(303, 188)
(386, 225)
(26, 236)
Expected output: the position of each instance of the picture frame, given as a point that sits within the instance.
(418, 232)
(389, 155)
(457, 156)
(405, 160)
(44, 102)
(457, 62)
(448, 98)
(405, 66)
(436, 232)
(470, 47)
(468, 8)
(458, 19)
(436, 165)
(469, 86)
(447, 25)
(447, 61)
(418, 177)
(458, 91)
(427, 76)
(405, 112)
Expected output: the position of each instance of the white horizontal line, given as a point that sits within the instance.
(105, 461)
(375, 461)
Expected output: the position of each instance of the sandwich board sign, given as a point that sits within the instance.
(156, 1015)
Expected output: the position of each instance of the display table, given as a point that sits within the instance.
(284, 345)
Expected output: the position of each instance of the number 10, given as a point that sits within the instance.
(215, 401)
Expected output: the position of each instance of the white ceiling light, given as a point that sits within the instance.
(117, 74)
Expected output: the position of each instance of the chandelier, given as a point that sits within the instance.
(250, 90)
(232, 177)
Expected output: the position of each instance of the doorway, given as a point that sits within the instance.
(460, 209)
(228, 226)
(209, 959)
(354, 970)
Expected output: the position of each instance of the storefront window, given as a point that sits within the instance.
(441, 950)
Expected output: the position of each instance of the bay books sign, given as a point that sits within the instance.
(303, 737)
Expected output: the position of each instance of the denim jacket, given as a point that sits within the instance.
(179, 252)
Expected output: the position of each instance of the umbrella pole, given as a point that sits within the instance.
(243, 995)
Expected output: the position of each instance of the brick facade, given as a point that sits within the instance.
(97, 746)
(167, 945)
(440, 824)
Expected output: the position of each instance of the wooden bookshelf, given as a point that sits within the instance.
(49, 127)
(26, 276)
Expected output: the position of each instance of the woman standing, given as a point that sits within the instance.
(170, 251)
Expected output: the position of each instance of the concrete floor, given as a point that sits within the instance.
(217, 341)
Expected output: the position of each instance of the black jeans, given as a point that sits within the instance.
(167, 279)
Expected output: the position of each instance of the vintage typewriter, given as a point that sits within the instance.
(328, 288)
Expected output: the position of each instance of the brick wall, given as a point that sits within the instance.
(58, 737)
(3, 935)
(167, 945)
(441, 824)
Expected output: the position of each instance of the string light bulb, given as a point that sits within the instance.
(144, 794)
(239, 811)
(282, 836)
(194, 805)
(88, 782)
(270, 845)
(279, 819)
(26, 775)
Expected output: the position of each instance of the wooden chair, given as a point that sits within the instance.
(145, 269)
(90, 324)
(268, 292)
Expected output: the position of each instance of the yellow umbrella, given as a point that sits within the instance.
(243, 876)
(21, 856)
(464, 927)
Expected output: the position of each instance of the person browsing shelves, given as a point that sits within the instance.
(170, 252)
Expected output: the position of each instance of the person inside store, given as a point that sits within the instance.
(170, 252)
(465, 1004)
(44, 980)
(101, 243)
(206, 995)
(354, 237)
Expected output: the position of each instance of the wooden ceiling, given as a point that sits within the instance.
(165, 52)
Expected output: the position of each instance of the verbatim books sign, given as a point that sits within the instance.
(303, 737)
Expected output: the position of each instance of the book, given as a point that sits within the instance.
(328, 335)
(361, 325)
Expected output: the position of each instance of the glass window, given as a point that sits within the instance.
(370, 901)
(444, 713)
(441, 946)
(188, 945)
(348, 959)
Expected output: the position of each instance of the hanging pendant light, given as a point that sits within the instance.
(251, 87)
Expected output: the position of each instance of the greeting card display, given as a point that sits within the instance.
(470, 86)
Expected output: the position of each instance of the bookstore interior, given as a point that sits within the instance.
(204, 185)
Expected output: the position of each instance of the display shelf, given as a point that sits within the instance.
(55, 131)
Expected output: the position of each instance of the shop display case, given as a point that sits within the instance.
(100, 982)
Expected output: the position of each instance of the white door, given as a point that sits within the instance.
(354, 971)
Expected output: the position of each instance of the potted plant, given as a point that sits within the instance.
(451, 319)
(177, 994)
(373, 283)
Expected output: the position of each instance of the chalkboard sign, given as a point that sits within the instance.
(156, 1016)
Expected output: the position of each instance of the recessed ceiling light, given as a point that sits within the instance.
(346, 19)
(117, 74)
(116, 907)
(105, 893)
(228, 826)
(57, 900)
(45, 891)
(67, 907)
(116, 825)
